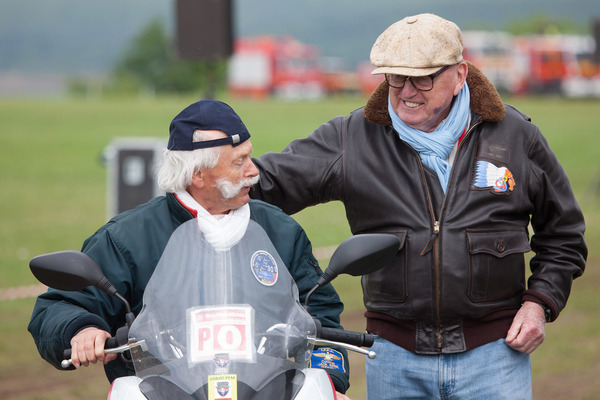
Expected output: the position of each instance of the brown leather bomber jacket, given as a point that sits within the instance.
(459, 276)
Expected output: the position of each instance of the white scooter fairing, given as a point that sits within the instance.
(316, 383)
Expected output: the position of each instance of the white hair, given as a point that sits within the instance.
(177, 167)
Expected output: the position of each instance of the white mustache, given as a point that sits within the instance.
(229, 189)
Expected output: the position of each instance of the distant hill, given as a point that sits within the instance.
(81, 37)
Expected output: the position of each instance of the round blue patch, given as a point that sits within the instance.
(264, 268)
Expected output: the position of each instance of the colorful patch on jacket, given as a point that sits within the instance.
(264, 267)
(488, 175)
(327, 358)
(222, 387)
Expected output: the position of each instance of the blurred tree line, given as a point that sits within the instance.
(543, 24)
(150, 66)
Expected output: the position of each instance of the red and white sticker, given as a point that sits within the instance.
(226, 329)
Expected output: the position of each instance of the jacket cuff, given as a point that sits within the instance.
(82, 322)
(340, 381)
(545, 302)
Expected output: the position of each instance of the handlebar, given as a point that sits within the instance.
(110, 343)
(348, 340)
(113, 344)
(361, 339)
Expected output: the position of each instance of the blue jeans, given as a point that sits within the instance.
(492, 371)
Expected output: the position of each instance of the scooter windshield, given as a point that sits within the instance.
(221, 323)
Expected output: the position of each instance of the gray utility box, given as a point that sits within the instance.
(130, 177)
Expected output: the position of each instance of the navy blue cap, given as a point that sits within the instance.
(206, 115)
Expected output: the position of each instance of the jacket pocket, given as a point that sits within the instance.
(389, 284)
(496, 264)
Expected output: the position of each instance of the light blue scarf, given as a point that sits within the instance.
(435, 147)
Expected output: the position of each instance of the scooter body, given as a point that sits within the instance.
(317, 386)
(225, 323)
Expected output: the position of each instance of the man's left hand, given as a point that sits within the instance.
(528, 328)
(339, 396)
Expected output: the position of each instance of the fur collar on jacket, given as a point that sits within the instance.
(485, 100)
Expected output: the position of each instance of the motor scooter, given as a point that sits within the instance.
(210, 329)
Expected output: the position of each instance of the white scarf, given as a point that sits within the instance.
(222, 231)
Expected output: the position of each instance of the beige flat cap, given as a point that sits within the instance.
(417, 46)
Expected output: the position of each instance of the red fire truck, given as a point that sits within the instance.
(284, 67)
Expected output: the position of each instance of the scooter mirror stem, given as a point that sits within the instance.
(323, 280)
(307, 300)
(129, 316)
(358, 255)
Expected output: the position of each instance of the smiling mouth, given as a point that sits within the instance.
(411, 104)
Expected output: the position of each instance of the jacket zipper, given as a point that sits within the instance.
(435, 238)
(436, 250)
(433, 243)
(436, 267)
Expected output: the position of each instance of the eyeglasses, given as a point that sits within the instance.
(422, 83)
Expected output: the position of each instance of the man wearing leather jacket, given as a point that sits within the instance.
(437, 159)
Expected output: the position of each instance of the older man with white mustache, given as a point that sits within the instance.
(207, 172)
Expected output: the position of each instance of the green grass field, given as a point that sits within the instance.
(53, 196)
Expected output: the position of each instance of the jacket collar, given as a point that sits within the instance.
(485, 100)
(178, 209)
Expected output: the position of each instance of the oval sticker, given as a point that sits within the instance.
(264, 268)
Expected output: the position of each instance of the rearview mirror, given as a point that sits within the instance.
(69, 270)
(359, 255)
(363, 254)
(73, 271)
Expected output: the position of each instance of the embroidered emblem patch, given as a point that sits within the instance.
(264, 267)
(487, 175)
(222, 387)
(222, 359)
(327, 358)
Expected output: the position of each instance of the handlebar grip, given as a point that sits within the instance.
(360, 339)
(110, 343)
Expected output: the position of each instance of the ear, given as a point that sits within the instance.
(462, 71)
(198, 180)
